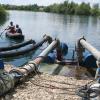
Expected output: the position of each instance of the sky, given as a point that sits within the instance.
(42, 2)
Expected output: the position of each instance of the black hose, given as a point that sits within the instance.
(16, 46)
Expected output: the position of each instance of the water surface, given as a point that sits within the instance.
(65, 27)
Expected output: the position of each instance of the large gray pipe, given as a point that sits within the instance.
(32, 64)
(91, 49)
(8, 80)
(96, 54)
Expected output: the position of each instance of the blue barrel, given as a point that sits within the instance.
(50, 58)
(89, 61)
(64, 48)
(1, 64)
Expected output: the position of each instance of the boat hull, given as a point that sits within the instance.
(15, 35)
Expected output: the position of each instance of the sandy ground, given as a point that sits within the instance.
(46, 87)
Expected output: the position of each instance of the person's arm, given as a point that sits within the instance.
(7, 28)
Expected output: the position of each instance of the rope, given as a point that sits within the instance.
(42, 83)
(35, 65)
(17, 72)
(86, 91)
(36, 83)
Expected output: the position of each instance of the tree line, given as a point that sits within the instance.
(74, 8)
(62, 8)
(34, 7)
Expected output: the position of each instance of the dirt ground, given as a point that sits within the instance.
(46, 87)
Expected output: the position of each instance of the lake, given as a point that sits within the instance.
(67, 28)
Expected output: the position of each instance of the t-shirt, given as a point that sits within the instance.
(18, 30)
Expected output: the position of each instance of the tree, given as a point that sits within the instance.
(83, 9)
(95, 11)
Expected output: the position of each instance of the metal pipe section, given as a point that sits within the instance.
(33, 65)
(91, 49)
(91, 91)
(48, 49)
(95, 53)
(8, 80)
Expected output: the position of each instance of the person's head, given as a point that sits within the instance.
(11, 23)
(17, 26)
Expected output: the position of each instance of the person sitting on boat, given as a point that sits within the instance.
(18, 29)
(11, 28)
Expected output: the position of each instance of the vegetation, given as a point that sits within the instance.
(73, 8)
(34, 7)
(3, 15)
(63, 8)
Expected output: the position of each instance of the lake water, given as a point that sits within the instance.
(65, 27)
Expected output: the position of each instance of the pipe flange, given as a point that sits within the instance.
(35, 66)
(80, 47)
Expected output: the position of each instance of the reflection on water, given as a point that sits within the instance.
(67, 28)
(57, 70)
(2, 21)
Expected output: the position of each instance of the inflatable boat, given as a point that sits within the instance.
(14, 35)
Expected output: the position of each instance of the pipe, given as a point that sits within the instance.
(34, 64)
(94, 89)
(26, 50)
(8, 80)
(16, 46)
(91, 49)
(46, 51)
(95, 53)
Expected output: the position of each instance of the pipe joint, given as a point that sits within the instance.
(48, 38)
(33, 66)
(29, 68)
(58, 43)
(83, 38)
(79, 50)
(80, 47)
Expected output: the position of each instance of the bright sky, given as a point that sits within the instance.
(42, 2)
